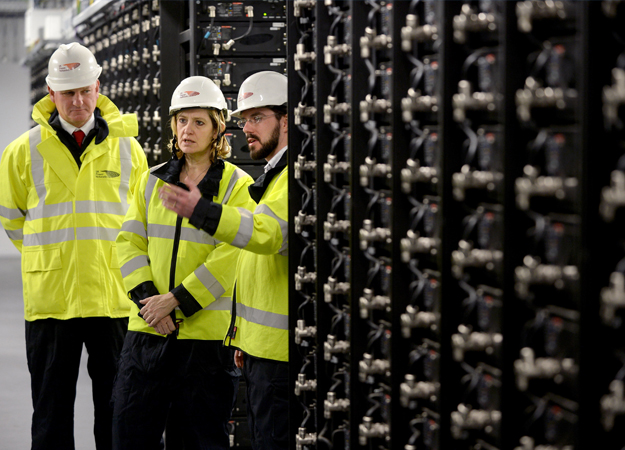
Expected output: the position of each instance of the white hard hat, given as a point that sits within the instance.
(198, 92)
(265, 88)
(72, 66)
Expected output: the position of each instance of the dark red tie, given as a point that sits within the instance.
(79, 135)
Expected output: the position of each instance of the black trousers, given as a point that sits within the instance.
(53, 350)
(193, 382)
(267, 402)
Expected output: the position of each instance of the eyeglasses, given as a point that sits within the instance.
(254, 120)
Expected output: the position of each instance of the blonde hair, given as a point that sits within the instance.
(218, 148)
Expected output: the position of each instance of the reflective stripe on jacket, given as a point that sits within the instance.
(64, 220)
(154, 241)
(262, 272)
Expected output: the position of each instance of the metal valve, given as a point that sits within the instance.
(533, 95)
(471, 21)
(465, 100)
(467, 340)
(135, 87)
(332, 404)
(466, 418)
(530, 10)
(413, 32)
(369, 366)
(414, 243)
(332, 346)
(301, 56)
(303, 111)
(298, 5)
(532, 272)
(614, 96)
(532, 185)
(414, 173)
(415, 102)
(332, 226)
(146, 148)
(371, 168)
(529, 367)
(613, 197)
(333, 108)
(146, 119)
(156, 119)
(369, 302)
(301, 165)
(413, 318)
(371, 105)
(145, 88)
(156, 85)
(372, 41)
(302, 276)
(612, 404)
(302, 384)
(302, 331)
(333, 287)
(411, 390)
(156, 53)
(368, 430)
(473, 179)
(302, 220)
(334, 166)
(613, 297)
(127, 89)
(369, 234)
(467, 256)
(303, 439)
(333, 48)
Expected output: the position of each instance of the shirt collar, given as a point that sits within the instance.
(87, 127)
(275, 160)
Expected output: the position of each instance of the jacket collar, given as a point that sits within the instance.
(208, 186)
(119, 125)
(257, 190)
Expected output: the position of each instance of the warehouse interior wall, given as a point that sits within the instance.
(14, 119)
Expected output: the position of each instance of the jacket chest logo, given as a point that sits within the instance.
(106, 174)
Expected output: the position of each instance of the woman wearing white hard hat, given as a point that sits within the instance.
(173, 363)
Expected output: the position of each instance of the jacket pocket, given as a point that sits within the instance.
(44, 283)
(113, 261)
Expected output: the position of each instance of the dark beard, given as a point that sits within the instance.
(267, 147)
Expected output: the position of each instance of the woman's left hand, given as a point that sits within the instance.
(158, 307)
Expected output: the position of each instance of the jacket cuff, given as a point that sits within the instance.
(188, 303)
(206, 216)
(141, 292)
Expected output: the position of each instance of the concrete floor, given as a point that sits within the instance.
(15, 401)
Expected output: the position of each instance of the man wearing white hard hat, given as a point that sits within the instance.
(259, 325)
(65, 186)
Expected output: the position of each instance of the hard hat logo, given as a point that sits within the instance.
(68, 67)
(186, 94)
(245, 95)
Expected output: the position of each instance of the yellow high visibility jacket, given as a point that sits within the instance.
(261, 320)
(64, 220)
(157, 247)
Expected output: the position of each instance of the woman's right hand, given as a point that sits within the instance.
(165, 326)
